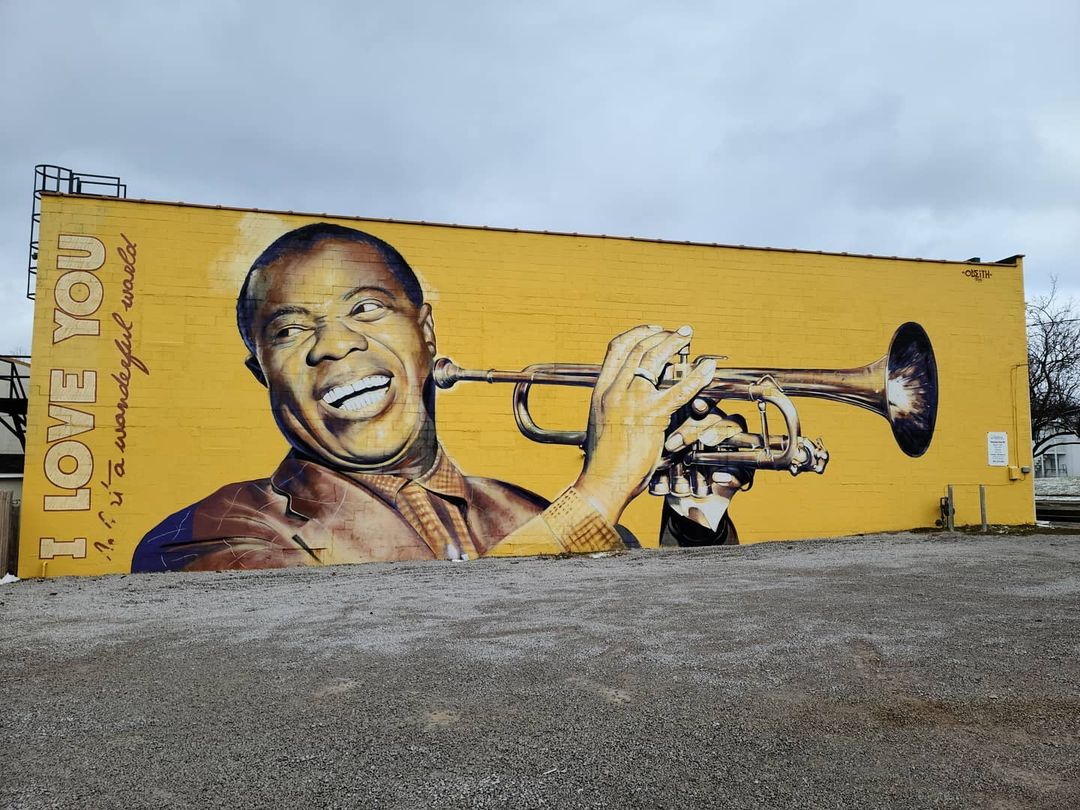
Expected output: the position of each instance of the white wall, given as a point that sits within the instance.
(1071, 453)
(8, 442)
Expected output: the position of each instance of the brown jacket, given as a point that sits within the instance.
(308, 514)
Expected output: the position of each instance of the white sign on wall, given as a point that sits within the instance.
(997, 449)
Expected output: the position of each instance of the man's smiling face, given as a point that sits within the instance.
(346, 356)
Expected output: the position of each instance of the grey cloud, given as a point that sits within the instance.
(936, 129)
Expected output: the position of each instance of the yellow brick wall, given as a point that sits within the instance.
(502, 299)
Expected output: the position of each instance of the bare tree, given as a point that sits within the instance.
(1053, 331)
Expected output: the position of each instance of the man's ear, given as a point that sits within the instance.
(254, 367)
(427, 326)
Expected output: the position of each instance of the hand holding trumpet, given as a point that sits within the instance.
(629, 417)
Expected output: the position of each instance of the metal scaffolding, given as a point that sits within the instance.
(58, 180)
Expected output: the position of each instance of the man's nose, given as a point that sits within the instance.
(333, 341)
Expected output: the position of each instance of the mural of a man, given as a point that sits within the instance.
(339, 333)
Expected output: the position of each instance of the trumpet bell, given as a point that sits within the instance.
(911, 389)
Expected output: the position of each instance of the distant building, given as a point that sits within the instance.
(1060, 460)
(14, 380)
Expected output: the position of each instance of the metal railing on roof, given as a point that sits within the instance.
(59, 180)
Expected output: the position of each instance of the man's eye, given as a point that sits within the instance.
(368, 309)
(288, 332)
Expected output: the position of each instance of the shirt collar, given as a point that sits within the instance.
(306, 483)
(444, 478)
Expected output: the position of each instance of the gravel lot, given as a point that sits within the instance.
(909, 670)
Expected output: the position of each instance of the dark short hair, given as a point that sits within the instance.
(307, 238)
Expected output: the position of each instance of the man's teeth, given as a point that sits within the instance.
(362, 401)
(357, 395)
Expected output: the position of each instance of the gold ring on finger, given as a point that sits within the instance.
(645, 374)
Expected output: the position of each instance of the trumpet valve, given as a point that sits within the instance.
(700, 482)
(680, 483)
(678, 369)
(810, 457)
(684, 362)
(820, 456)
(660, 483)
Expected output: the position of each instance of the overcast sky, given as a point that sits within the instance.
(935, 129)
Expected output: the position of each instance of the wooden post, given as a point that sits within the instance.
(7, 534)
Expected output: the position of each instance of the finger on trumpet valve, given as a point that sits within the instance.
(700, 482)
(660, 483)
(679, 365)
(683, 363)
(680, 483)
(700, 407)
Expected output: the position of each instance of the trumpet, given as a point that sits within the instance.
(901, 386)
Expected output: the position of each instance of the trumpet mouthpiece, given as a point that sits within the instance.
(445, 372)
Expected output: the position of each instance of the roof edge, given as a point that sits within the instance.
(1012, 261)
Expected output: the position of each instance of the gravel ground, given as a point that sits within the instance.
(907, 671)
